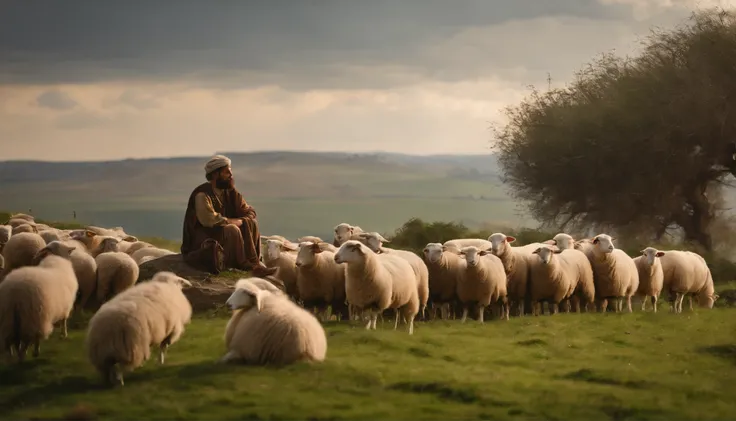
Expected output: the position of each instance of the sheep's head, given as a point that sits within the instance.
(433, 252)
(651, 254)
(57, 248)
(171, 278)
(373, 240)
(546, 253)
(5, 232)
(308, 252)
(499, 242)
(275, 247)
(473, 254)
(343, 232)
(603, 243)
(83, 236)
(562, 240)
(109, 245)
(351, 251)
(247, 296)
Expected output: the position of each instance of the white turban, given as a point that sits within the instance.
(216, 162)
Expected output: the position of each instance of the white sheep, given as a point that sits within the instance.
(375, 241)
(320, 280)
(34, 298)
(376, 282)
(685, 272)
(20, 250)
(121, 333)
(459, 243)
(282, 255)
(558, 275)
(516, 263)
(270, 329)
(651, 277)
(562, 240)
(5, 232)
(345, 232)
(154, 252)
(84, 265)
(116, 272)
(446, 268)
(614, 271)
(483, 283)
(261, 283)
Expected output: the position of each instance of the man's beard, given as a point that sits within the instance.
(225, 184)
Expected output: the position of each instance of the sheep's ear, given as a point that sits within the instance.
(184, 283)
(556, 249)
(643, 252)
(289, 246)
(613, 238)
(510, 239)
(550, 242)
(358, 248)
(316, 248)
(596, 240)
(484, 252)
(537, 250)
(258, 297)
(363, 235)
(89, 233)
(383, 240)
(660, 254)
(130, 239)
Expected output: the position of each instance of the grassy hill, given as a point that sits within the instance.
(295, 193)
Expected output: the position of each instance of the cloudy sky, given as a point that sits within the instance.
(91, 80)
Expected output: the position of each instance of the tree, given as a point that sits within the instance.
(632, 144)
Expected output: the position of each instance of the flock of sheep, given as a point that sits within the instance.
(47, 273)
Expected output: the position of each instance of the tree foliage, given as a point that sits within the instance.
(632, 144)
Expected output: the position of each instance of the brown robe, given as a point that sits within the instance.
(242, 245)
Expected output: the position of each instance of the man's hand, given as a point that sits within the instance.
(235, 221)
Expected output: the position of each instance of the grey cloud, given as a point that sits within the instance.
(240, 44)
(55, 100)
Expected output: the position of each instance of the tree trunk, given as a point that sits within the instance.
(697, 222)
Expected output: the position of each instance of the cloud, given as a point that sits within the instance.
(56, 100)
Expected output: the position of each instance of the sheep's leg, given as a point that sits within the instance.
(64, 330)
(644, 303)
(230, 357)
(521, 308)
(690, 297)
(465, 314)
(410, 322)
(370, 318)
(21, 352)
(374, 318)
(162, 351)
(628, 304)
(678, 302)
(397, 315)
(481, 310)
(654, 302)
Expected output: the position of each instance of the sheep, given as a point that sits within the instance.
(116, 272)
(22, 216)
(120, 334)
(516, 263)
(282, 255)
(270, 329)
(345, 232)
(154, 252)
(459, 243)
(558, 275)
(85, 269)
(51, 235)
(20, 250)
(446, 268)
(562, 241)
(376, 282)
(614, 271)
(14, 221)
(34, 298)
(309, 238)
(320, 280)
(685, 272)
(651, 277)
(281, 238)
(482, 283)
(261, 283)
(25, 228)
(5, 232)
(375, 241)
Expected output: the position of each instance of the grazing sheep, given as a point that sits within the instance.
(516, 263)
(376, 282)
(320, 280)
(375, 241)
(651, 277)
(116, 272)
(614, 271)
(685, 272)
(34, 298)
(557, 275)
(120, 334)
(446, 268)
(483, 283)
(282, 255)
(20, 250)
(269, 329)
(345, 232)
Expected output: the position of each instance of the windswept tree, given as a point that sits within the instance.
(634, 144)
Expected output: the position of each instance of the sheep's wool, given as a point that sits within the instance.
(216, 162)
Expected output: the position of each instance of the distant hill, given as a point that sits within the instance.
(294, 193)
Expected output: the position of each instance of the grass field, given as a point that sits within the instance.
(569, 366)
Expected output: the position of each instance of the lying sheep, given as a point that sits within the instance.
(154, 252)
(685, 272)
(282, 255)
(34, 298)
(516, 263)
(375, 241)
(269, 329)
(345, 232)
(116, 272)
(121, 332)
(446, 268)
(558, 275)
(614, 271)
(376, 282)
(320, 280)
(483, 283)
(20, 250)
(651, 277)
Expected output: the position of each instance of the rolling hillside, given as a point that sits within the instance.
(295, 193)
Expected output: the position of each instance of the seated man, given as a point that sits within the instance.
(217, 211)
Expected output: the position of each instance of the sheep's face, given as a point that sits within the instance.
(603, 243)
(433, 252)
(307, 254)
(651, 254)
(5, 232)
(563, 241)
(351, 251)
(343, 232)
(109, 245)
(546, 253)
(274, 248)
(499, 242)
(473, 254)
(246, 298)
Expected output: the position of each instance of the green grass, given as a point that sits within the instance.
(569, 366)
